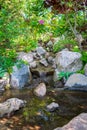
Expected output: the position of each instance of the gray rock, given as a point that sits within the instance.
(50, 59)
(36, 56)
(20, 76)
(2, 85)
(68, 61)
(54, 66)
(85, 69)
(28, 57)
(58, 84)
(11, 105)
(77, 82)
(40, 51)
(49, 44)
(40, 90)
(33, 64)
(44, 62)
(55, 76)
(52, 106)
(42, 73)
(65, 49)
(77, 123)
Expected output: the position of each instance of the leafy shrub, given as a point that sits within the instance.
(63, 43)
(64, 75)
(84, 57)
(76, 49)
(23, 24)
(84, 54)
(6, 64)
(2, 72)
(81, 71)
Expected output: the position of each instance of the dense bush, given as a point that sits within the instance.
(24, 23)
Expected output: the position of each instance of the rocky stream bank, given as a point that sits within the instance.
(46, 78)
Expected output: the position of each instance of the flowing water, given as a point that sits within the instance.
(35, 116)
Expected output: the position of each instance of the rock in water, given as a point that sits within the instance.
(77, 82)
(40, 90)
(53, 106)
(77, 123)
(11, 105)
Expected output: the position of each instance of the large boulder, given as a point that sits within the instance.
(20, 76)
(77, 82)
(11, 105)
(77, 123)
(68, 61)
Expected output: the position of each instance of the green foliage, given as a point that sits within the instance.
(6, 64)
(61, 44)
(84, 54)
(20, 62)
(84, 57)
(32, 45)
(81, 71)
(64, 75)
(21, 27)
(76, 49)
(60, 25)
(2, 72)
(19, 23)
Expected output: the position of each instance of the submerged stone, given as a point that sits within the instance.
(52, 106)
(40, 90)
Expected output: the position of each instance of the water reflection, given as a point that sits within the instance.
(36, 117)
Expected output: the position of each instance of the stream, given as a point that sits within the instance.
(35, 116)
